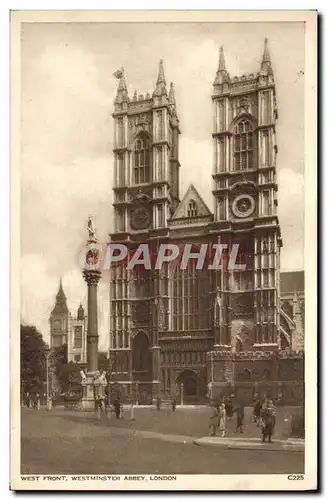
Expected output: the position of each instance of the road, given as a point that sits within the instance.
(66, 443)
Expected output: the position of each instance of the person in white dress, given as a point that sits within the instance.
(222, 419)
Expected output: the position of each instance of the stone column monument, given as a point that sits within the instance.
(92, 275)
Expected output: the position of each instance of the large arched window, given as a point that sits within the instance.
(190, 304)
(243, 145)
(141, 161)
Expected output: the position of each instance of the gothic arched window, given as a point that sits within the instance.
(190, 304)
(243, 145)
(192, 209)
(141, 161)
(141, 353)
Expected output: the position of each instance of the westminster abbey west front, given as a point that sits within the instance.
(193, 333)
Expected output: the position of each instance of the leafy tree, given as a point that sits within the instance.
(32, 359)
(68, 374)
(59, 355)
(59, 361)
(70, 379)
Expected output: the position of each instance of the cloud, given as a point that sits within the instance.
(38, 296)
(291, 217)
(38, 288)
(79, 179)
(73, 69)
(196, 167)
(56, 203)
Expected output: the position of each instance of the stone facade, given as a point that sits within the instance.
(176, 331)
(279, 374)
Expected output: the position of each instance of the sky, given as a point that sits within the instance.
(67, 92)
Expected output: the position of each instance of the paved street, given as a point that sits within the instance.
(195, 421)
(65, 443)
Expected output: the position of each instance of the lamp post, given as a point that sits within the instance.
(47, 356)
(110, 370)
(132, 395)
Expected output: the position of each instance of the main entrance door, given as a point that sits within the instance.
(189, 387)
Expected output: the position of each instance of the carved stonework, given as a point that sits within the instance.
(242, 305)
(92, 339)
(140, 195)
(92, 277)
(92, 258)
(141, 312)
(244, 86)
(139, 123)
(144, 105)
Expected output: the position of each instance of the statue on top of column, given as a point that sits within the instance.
(91, 230)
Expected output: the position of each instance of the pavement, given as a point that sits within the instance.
(245, 441)
(59, 442)
(293, 445)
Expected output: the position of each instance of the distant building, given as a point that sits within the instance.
(59, 320)
(77, 337)
(66, 329)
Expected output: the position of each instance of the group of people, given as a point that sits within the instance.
(32, 400)
(224, 412)
(264, 415)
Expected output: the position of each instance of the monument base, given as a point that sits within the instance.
(88, 401)
(93, 387)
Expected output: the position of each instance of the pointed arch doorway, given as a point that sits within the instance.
(188, 384)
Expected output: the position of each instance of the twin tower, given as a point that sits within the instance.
(147, 133)
(163, 324)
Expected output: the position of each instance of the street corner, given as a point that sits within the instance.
(294, 445)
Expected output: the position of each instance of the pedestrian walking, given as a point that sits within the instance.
(214, 420)
(158, 402)
(239, 410)
(257, 405)
(222, 419)
(229, 407)
(27, 400)
(173, 404)
(117, 407)
(268, 413)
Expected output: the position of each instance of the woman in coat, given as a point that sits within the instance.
(268, 415)
(222, 419)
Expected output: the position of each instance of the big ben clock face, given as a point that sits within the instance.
(140, 218)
